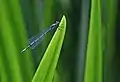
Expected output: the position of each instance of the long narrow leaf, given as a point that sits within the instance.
(18, 68)
(46, 69)
(93, 70)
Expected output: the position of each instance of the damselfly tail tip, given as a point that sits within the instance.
(25, 49)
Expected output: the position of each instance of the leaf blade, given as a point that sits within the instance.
(93, 70)
(46, 69)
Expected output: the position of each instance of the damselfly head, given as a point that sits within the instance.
(55, 24)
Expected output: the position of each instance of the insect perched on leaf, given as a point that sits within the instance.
(35, 40)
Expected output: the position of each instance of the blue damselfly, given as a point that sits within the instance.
(35, 40)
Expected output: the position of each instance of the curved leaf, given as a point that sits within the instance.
(46, 69)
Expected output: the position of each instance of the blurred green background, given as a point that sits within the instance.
(22, 19)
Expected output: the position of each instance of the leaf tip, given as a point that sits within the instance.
(63, 22)
(64, 18)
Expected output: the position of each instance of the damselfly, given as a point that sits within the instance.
(34, 41)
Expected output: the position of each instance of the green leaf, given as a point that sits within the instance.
(15, 67)
(93, 70)
(47, 67)
(109, 23)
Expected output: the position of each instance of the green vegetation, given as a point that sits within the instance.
(93, 72)
(84, 48)
(47, 67)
